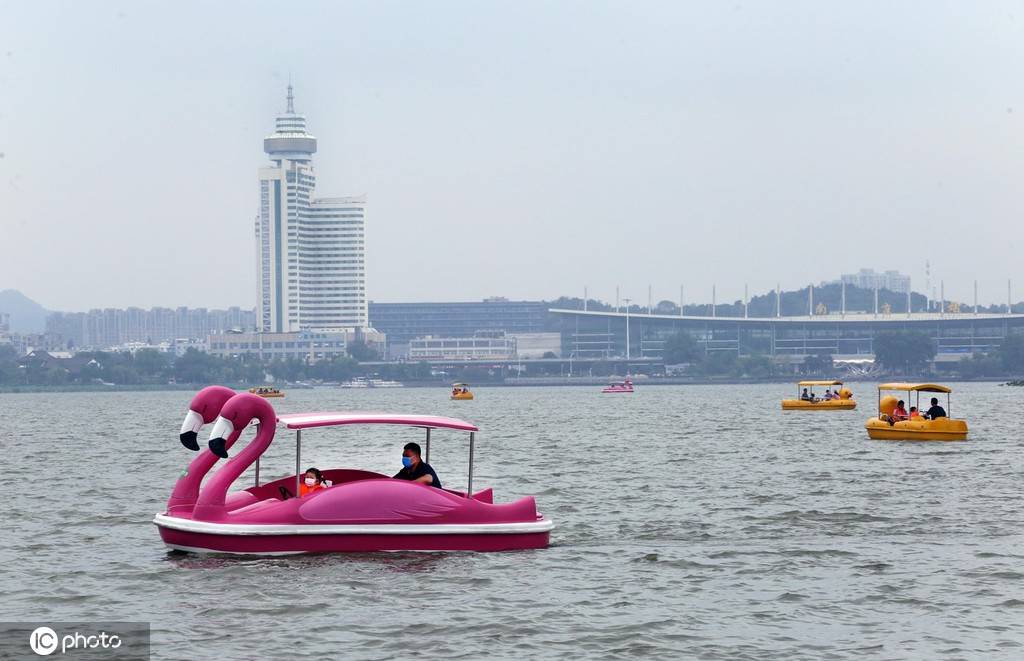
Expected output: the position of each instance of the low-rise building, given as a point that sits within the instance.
(311, 346)
(478, 347)
(176, 347)
(870, 279)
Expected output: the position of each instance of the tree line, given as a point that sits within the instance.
(151, 367)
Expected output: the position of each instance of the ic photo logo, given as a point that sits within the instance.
(44, 641)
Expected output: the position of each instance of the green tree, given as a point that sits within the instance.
(904, 350)
(361, 352)
(90, 372)
(56, 376)
(666, 307)
(718, 363)
(681, 348)
(123, 375)
(757, 366)
(1011, 353)
(338, 368)
(150, 362)
(820, 363)
(980, 366)
(194, 366)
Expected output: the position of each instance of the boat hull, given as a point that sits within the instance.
(823, 405)
(225, 538)
(467, 396)
(942, 429)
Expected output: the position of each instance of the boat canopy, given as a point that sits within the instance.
(300, 421)
(458, 385)
(918, 387)
(820, 383)
(308, 420)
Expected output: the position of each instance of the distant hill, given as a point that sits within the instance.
(27, 316)
(793, 303)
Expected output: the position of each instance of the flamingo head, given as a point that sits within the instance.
(236, 414)
(202, 411)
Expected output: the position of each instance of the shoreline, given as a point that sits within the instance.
(554, 382)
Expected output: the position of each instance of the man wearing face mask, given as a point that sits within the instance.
(415, 469)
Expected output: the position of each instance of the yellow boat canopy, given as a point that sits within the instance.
(919, 387)
(465, 385)
(820, 383)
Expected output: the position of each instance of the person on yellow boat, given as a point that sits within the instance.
(914, 413)
(900, 412)
(805, 397)
(935, 411)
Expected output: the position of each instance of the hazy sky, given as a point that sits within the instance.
(521, 149)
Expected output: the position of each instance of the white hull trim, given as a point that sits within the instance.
(200, 550)
(243, 529)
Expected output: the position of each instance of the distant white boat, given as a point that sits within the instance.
(385, 383)
(363, 382)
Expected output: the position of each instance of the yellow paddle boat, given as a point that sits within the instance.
(889, 427)
(461, 391)
(843, 400)
(266, 391)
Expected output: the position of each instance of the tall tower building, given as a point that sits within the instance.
(310, 252)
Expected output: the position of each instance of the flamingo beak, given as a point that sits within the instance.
(218, 437)
(190, 430)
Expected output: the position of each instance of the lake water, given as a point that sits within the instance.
(691, 521)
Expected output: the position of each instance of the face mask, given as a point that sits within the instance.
(310, 481)
(407, 462)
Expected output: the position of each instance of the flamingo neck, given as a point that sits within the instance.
(210, 504)
(186, 489)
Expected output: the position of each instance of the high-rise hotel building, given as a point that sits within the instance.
(310, 251)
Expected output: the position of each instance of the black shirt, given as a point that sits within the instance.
(936, 412)
(421, 469)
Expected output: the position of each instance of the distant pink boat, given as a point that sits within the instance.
(361, 510)
(619, 386)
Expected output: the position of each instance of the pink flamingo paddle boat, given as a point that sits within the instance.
(361, 510)
(619, 386)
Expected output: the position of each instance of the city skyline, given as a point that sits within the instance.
(670, 145)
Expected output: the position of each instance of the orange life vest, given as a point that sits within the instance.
(305, 491)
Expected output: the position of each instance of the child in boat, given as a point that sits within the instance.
(914, 413)
(312, 481)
